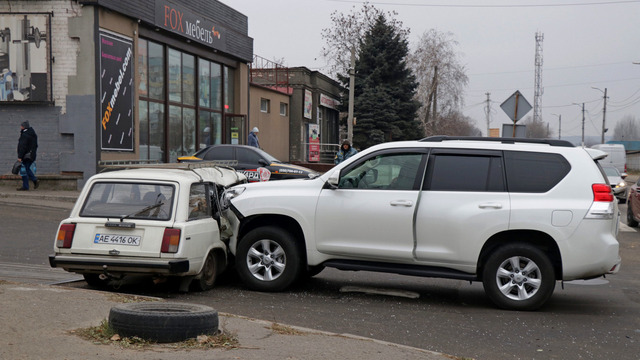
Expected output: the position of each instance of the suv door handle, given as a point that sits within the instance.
(407, 203)
(490, 206)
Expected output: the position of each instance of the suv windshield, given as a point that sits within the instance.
(130, 200)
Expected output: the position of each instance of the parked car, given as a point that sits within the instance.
(516, 214)
(616, 156)
(160, 221)
(616, 180)
(633, 204)
(256, 164)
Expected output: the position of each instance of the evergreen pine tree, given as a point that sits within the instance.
(384, 90)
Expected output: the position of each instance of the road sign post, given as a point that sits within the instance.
(516, 106)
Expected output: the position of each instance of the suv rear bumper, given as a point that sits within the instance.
(84, 264)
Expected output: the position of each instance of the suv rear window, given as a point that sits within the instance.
(130, 200)
(534, 172)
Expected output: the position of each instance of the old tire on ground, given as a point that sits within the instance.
(208, 274)
(630, 220)
(163, 322)
(268, 259)
(519, 277)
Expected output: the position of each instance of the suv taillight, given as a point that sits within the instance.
(602, 192)
(65, 236)
(170, 241)
(602, 206)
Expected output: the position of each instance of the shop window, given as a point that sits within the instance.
(216, 86)
(175, 76)
(204, 79)
(143, 70)
(156, 131)
(264, 105)
(156, 71)
(284, 109)
(229, 89)
(143, 117)
(188, 79)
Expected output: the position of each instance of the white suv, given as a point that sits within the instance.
(516, 214)
(160, 220)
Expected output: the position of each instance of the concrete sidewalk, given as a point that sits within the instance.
(38, 321)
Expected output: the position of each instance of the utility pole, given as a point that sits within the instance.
(604, 115)
(582, 124)
(352, 78)
(488, 112)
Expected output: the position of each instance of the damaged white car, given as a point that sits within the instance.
(162, 220)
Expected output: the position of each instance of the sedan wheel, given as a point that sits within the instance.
(268, 259)
(519, 277)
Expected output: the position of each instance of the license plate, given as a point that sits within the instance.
(112, 239)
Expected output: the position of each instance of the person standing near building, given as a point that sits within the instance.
(346, 151)
(253, 138)
(27, 148)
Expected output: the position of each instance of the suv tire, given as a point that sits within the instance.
(509, 287)
(630, 220)
(268, 259)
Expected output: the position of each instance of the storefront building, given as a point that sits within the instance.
(106, 80)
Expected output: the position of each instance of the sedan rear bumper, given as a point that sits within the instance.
(83, 264)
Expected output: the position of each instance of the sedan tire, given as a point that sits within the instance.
(519, 277)
(268, 259)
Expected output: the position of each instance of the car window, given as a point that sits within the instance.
(199, 207)
(131, 200)
(247, 156)
(534, 172)
(219, 153)
(460, 172)
(385, 172)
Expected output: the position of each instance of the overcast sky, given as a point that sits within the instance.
(587, 43)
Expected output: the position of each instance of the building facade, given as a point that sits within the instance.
(103, 80)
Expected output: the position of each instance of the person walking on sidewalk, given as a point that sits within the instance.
(27, 148)
(253, 138)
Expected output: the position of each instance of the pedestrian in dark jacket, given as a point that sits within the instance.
(346, 151)
(27, 148)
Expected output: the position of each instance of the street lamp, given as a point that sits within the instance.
(604, 112)
(559, 125)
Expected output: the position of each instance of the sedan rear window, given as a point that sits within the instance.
(129, 200)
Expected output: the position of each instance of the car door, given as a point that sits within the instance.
(464, 201)
(370, 215)
(200, 229)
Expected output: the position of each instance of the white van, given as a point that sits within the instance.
(617, 156)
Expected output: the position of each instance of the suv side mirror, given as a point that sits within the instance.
(333, 180)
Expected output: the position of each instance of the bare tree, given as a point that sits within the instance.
(626, 129)
(537, 129)
(435, 63)
(347, 31)
(454, 123)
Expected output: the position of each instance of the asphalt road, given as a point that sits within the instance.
(589, 320)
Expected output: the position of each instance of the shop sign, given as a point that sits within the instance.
(328, 102)
(116, 92)
(308, 104)
(314, 143)
(193, 26)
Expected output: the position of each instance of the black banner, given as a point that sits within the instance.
(116, 92)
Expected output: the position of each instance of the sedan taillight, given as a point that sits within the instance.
(170, 241)
(65, 236)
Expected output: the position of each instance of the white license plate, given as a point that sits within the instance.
(112, 239)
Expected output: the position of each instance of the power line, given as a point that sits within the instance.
(553, 68)
(491, 6)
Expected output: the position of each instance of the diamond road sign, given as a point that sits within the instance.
(516, 106)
